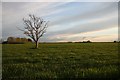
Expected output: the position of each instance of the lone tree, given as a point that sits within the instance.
(35, 27)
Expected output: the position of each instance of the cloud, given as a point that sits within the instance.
(101, 36)
(79, 14)
(23, 9)
(106, 38)
(93, 25)
(105, 18)
(67, 19)
(13, 15)
(60, 0)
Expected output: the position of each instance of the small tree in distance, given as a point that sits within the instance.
(35, 27)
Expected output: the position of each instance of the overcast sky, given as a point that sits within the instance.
(69, 21)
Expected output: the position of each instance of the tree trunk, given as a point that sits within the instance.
(36, 44)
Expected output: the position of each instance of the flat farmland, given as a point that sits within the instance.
(60, 60)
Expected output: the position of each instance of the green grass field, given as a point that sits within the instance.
(60, 60)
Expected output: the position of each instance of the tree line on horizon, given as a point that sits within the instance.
(34, 28)
(14, 40)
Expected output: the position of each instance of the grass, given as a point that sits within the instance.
(60, 60)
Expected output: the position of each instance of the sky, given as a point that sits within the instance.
(60, 0)
(68, 21)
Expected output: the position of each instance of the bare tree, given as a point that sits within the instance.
(35, 27)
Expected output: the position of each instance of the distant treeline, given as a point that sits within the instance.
(89, 42)
(116, 41)
(13, 40)
(81, 42)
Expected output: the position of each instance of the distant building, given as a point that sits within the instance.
(18, 40)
